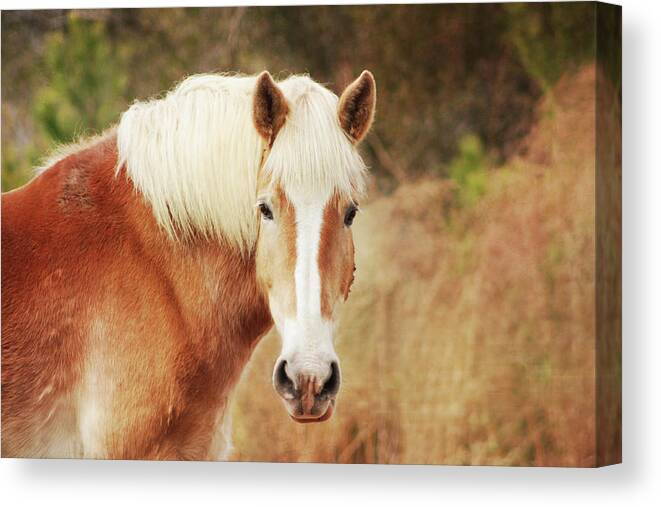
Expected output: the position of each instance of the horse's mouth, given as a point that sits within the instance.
(312, 419)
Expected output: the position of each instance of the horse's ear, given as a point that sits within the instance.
(269, 107)
(357, 105)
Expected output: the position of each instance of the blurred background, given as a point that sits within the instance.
(469, 337)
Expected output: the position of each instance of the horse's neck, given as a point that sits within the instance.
(219, 285)
(214, 286)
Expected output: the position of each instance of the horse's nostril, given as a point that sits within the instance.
(283, 384)
(332, 384)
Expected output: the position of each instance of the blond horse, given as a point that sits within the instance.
(139, 270)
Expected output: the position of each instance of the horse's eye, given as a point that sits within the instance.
(350, 215)
(265, 211)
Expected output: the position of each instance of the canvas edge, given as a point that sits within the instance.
(608, 235)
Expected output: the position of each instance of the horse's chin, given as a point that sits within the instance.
(324, 417)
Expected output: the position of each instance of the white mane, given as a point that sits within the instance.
(195, 154)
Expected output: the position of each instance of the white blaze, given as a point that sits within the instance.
(308, 338)
(309, 219)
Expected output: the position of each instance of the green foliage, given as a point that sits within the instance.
(551, 38)
(86, 82)
(16, 170)
(468, 170)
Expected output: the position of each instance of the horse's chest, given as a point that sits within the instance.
(54, 429)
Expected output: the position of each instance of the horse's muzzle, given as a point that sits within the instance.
(308, 397)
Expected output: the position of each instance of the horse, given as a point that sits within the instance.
(140, 268)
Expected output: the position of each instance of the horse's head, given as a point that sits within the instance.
(307, 199)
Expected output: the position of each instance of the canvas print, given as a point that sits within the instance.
(343, 234)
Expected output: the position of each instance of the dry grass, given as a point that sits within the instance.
(469, 335)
